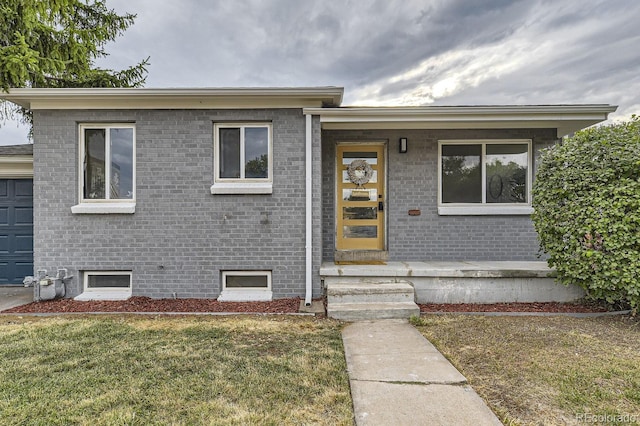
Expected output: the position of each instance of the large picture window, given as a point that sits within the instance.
(243, 156)
(476, 175)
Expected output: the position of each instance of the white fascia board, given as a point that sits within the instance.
(16, 166)
(564, 118)
(174, 98)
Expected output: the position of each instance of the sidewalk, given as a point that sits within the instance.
(398, 378)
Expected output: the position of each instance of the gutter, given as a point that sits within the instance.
(308, 211)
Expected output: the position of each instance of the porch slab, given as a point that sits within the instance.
(470, 269)
(463, 281)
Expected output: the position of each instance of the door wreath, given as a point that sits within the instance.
(359, 172)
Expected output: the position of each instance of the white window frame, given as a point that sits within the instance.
(245, 294)
(484, 208)
(104, 293)
(104, 206)
(241, 185)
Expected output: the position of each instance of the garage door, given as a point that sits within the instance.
(16, 230)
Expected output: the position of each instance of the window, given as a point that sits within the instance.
(244, 286)
(485, 177)
(242, 158)
(107, 169)
(106, 285)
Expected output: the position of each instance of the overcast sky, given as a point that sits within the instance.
(409, 52)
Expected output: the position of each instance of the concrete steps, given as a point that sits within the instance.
(368, 300)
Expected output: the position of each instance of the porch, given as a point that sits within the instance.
(371, 291)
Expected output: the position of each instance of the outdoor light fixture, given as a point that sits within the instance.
(403, 145)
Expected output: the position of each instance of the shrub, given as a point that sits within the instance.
(586, 201)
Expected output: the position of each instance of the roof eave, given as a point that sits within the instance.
(174, 98)
(565, 119)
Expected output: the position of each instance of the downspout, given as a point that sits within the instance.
(308, 211)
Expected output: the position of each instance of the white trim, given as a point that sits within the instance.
(104, 293)
(308, 210)
(106, 126)
(242, 188)
(245, 294)
(241, 185)
(175, 98)
(565, 119)
(484, 208)
(16, 166)
(104, 208)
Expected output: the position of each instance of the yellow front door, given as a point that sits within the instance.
(360, 197)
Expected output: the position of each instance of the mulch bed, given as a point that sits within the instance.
(548, 307)
(280, 306)
(147, 304)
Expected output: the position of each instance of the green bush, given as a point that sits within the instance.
(586, 201)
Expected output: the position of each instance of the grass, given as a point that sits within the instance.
(130, 370)
(546, 370)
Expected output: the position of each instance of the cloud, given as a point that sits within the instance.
(554, 53)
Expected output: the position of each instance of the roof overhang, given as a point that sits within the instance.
(175, 98)
(566, 119)
(16, 166)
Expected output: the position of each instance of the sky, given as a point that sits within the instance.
(390, 52)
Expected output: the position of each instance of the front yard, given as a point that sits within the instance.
(156, 369)
(546, 370)
(130, 370)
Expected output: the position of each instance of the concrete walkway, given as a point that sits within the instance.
(398, 378)
(12, 296)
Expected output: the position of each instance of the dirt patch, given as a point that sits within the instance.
(147, 304)
(549, 307)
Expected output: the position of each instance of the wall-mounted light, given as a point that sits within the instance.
(403, 145)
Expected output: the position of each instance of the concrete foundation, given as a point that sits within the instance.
(463, 282)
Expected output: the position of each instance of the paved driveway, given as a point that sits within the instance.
(11, 296)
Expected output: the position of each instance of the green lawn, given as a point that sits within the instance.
(546, 370)
(128, 370)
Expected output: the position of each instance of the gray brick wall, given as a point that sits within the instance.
(412, 184)
(181, 237)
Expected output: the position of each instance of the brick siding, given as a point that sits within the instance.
(181, 237)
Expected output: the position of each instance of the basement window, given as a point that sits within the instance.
(106, 285)
(246, 286)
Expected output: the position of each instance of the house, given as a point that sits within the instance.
(262, 193)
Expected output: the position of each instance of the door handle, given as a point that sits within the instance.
(381, 206)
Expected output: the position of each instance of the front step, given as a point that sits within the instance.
(367, 299)
(372, 311)
(370, 292)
